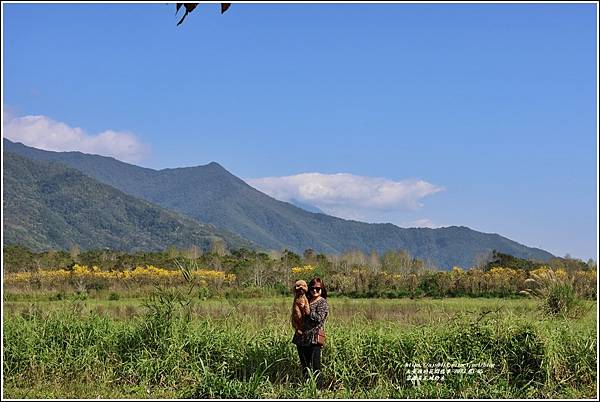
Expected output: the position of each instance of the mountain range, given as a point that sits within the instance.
(211, 196)
(50, 206)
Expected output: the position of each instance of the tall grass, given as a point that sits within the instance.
(556, 292)
(166, 352)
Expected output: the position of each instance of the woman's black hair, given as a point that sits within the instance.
(312, 283)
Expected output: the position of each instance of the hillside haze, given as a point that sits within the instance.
(211, 194)
(48, 205)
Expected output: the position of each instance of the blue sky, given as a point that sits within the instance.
(482, 115)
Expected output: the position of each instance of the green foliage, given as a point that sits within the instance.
(208, 357)
(560, 299)
(56, 297)
(568, 264)
(48, 205)
(508, 261)
(290, 259)
(18, 258)
(114, 296)
(557, 295)
(258, 274)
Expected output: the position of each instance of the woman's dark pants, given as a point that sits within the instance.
(310, 357)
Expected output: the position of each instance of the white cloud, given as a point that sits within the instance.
(423, 223)
(346, 195)
(45, 133)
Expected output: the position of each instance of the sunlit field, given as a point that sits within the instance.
(171, 344)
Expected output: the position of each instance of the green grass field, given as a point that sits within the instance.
(71, 347)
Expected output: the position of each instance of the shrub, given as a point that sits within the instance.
(56, 297)
(556, 291)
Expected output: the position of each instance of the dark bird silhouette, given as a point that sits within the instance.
(189, 7)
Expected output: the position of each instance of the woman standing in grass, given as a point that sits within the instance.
(308, 343)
